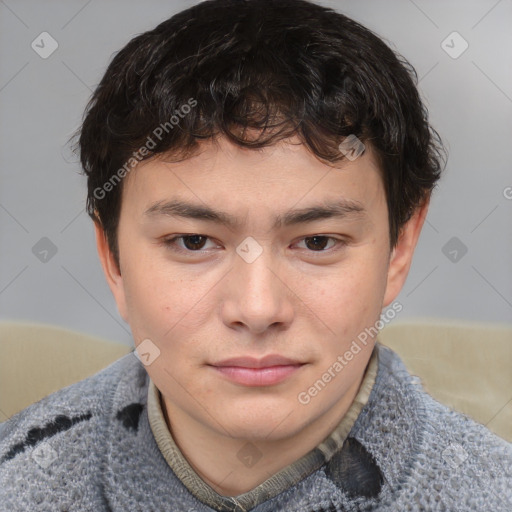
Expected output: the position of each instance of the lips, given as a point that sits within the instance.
(253, 362)
(251, 371)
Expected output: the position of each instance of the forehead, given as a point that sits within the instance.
(273, 178)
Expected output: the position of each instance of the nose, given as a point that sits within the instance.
(258, 296)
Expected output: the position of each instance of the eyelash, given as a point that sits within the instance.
(170, 243)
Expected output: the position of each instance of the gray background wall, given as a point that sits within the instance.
(42, 194)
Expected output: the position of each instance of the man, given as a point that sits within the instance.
(258, 173)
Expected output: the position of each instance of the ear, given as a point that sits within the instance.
(401, 256)
(111, 271)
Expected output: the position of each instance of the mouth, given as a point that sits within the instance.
(249, 371)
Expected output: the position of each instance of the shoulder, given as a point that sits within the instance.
(461, 462)
(455, 459)
(57, 442)
(466, 447)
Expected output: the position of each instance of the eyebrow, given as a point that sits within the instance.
(340, 209)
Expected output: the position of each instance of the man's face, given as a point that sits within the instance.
(303, 290)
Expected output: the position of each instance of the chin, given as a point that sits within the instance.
(263, 423)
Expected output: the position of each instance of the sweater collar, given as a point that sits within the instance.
(384, 445)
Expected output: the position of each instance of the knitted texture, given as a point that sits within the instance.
(89, 447)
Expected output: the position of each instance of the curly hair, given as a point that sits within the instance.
(277, 68)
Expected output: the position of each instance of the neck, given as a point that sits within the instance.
(233, 466)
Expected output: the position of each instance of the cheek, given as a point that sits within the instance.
(164, 304)
(351, 298)
(154, 300)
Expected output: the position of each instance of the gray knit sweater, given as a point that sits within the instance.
(90, 447)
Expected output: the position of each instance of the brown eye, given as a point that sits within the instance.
(317, 242)
(194, 242)
(189, 243)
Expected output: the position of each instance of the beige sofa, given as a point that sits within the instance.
(465, 366)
